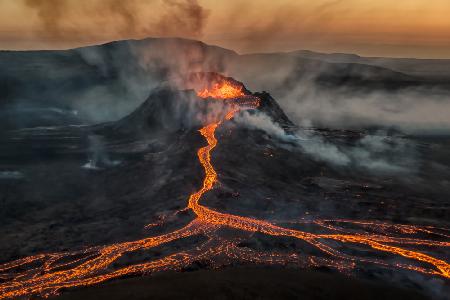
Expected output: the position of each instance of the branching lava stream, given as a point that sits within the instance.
(46, 274)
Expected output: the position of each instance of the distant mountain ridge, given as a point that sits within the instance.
(108, 81)
(430, 68)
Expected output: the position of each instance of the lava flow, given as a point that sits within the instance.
(46, 274)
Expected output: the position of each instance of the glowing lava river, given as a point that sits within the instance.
(392, 246)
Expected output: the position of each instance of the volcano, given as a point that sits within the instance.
(169, 109)
(185, 183)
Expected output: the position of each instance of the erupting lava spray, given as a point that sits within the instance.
(45, 274)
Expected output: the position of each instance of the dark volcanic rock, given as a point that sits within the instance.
(271, 108)
(51, 202)
(165, 109)
(244, 283)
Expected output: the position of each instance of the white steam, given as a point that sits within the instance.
(410, 110)
(376, 152)
(98, 156)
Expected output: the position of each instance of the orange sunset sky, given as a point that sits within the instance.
(401, 28)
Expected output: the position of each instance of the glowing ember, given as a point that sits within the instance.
(47, 273)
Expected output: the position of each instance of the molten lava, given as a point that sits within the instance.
(213, 85)
(223, 90)
(46, 274)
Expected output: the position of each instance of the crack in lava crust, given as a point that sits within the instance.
(46, 274)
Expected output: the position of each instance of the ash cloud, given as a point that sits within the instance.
(183, 16)
(50, 13)
(54, 14)
(115, 19)
(289, 26)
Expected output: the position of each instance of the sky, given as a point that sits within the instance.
(401, 28)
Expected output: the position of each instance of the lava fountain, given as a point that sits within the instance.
(46, 274)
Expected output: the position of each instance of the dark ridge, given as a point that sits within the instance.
(107, 82)
(165, 109)
(270, 107)
(243, 283)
